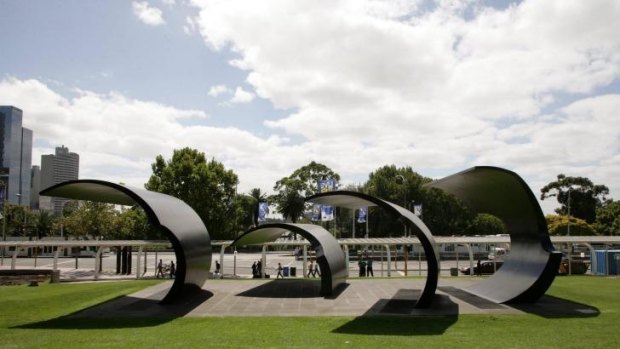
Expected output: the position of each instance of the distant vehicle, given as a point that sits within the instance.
(486, 267)
(498, 252)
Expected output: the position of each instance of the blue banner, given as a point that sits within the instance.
(361, 214)
(316, 213)
(327, 185)
(263, 210)
(327, 213)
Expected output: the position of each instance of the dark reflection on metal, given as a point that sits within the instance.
(533, 263)
(186, 231)
(355, 200)
(329, 256)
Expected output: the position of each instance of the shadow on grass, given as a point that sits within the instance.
(125, 312)
(399, 317)
(553, 307)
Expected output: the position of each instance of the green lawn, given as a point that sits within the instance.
(32, 317)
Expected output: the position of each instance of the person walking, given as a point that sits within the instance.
(254, 270)
(173, 269)
(317, 271)
(217, 267)
(311, 269)
(279, 271)
(160, 269)
(369, 268)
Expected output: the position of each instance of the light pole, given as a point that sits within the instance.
(404, 180)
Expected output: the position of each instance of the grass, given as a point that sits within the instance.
(32, 317)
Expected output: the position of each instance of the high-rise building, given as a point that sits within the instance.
(35, 180)
(16, 156)
(57, 168)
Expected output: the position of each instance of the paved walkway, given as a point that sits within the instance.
(297, 297)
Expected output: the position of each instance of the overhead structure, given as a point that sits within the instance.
(183, 227)
(355, 200)
(532, 264)
(329, 255)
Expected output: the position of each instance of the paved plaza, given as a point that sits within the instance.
(298, 297)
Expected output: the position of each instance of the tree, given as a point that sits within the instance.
(304, 180)
(608, 218)
(558, 225)
(585, 196)
(43, 223)
(487, 224)
(20, 220)
(302, 183)
(206, 186)
(132, 223)
(444, 214)
(91, 220)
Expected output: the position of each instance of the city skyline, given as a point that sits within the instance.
(266, 87)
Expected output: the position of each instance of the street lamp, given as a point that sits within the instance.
(404, 180)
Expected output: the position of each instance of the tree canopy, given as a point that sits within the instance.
(608, 218)
(584, 195)
(207, 186)
(302, 183)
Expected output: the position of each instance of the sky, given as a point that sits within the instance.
(267, 86)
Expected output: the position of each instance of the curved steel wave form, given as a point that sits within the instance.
(329, 255)
(355, 200)
(186, 231)
(533, 263)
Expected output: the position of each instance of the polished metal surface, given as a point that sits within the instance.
(186, 231)
(329, 255)
(533, 262)
(355, 200)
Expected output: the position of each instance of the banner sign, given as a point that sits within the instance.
(263, 210)
(316, 213)
(327, 213)
(417, 210)
(327, 185)
(361, 214)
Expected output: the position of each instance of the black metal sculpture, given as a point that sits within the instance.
(355, 200)
(186, 231)
(329, 255)
(533, 263)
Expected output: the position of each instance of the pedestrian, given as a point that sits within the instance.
(160, 269)
(479, 268)
(173, 270)
(279, 271)
(369, 268)
(254, 272)
(311, 269)
(317, 271)
(217, 267)
(362, 266)
(259, 268)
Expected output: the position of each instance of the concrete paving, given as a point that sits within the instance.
(298, 297)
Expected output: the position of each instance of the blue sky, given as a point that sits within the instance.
(268, 86)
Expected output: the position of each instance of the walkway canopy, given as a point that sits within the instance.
(329, 255)
(355, 200)
(186, 231)
(533, 263)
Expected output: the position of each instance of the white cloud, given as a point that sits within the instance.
(147, 14)
(440, 86)
(241, 96)
(190, 26)
(118, 138)
(217, 90)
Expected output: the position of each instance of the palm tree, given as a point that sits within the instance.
(293, 205)
(258, 197)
